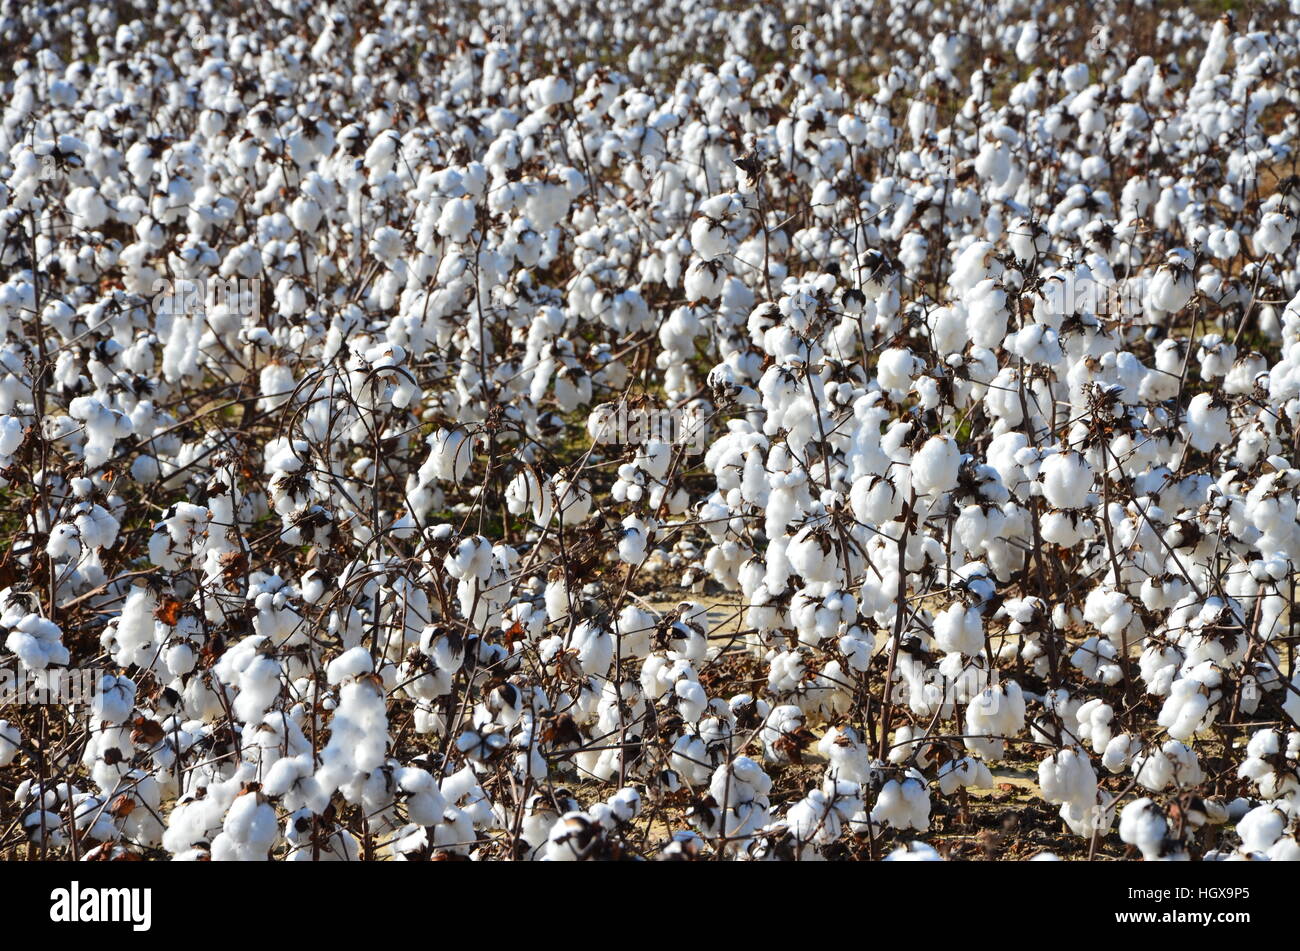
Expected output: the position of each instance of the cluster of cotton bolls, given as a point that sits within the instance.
(626, 432)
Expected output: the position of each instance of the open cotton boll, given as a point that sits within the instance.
(968, 772)
(103, 427)
(1097, 658)
(37, 642)
(959, 629)
(823, 813)
(996, 712)
(1067, 776)
(987, 314)
(249, 832)
(10, 742)
(915, 851)
(451, 452)
(935, 466)
(276, 384)
(573, 500)
(1172, 286)
(1094, 718)
(1207, 423)
(114, 699)
(895, 371)
(1261, 828)
(1174, 763)
(1274, 766)
(1067, 480)
(903, 803)
(1187, 710)
(1143, 824)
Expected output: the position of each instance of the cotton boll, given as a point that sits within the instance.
(959, 629)
(10, 742)
(249, 832)
(896, 370)
(1067, 480)
(1172, 286)
(988, 313)
(114, 700)
(997, 711)
(935, 466)
(1207, 423)
(968, 772)
(1143, 824)
(1272, 764)
(1068, 777)
(1094, 718)
(1261, 828)
(1171, 764)
(1186, 710)
(903, 803)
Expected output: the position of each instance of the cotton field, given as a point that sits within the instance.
(673, 430)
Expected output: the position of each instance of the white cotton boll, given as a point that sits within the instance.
(37, 642)
(959, 629)
(450, 454)
(1067, 480)
(349, 665)
(457, 219)
(914, 852)
(633, 541)
(249, 832)
(996, 712)
(1096, 657)
(704, 280)
(1093, 718)
(1172, 764)
(634, 628)
(1272, 237)
(783, 723)
(849, 758)
(1172, 286)
(935, 466)
(1109, 611)
(573, 500)
(64, 542)
(1142, 824)
(987, 314)
(1068, 777)
(709, 239)
(114, 700)
(10, 742)
(103, 428)
(875, 500)
(11, 435)
(1207, 423)
(1260, 828)
(895, 370)
(1265, 754)
(1184, 711)
(968, 772)
(1120, 751)
(276, 385)
(903, 804)
(594, 647)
